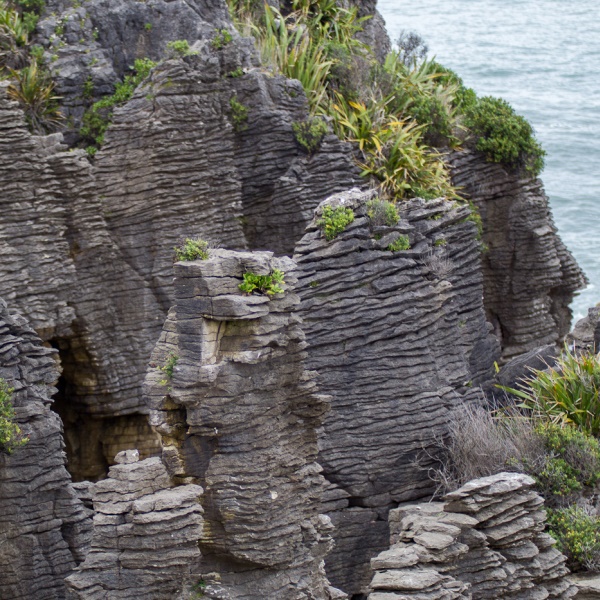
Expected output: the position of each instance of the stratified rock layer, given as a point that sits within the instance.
(238, 414)
(485, 542)
(398, 339)
(44, 527)
(529, 276)
(145, 539)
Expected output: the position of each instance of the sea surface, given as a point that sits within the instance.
(543, 56)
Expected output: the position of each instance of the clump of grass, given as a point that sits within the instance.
(11, 436)
(180, 48)
(335, 220)
(221, 39)
(169, 368)
(269, 285)
(382, 213)
(192, 249)
(310, 133)
(400, 243)
(239, 114)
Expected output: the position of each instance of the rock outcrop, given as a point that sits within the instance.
(44, 527)
(485, 542)
(398, 339)
(529, 276)
(145, 537)
(238, 415)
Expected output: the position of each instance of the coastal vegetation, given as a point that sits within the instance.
(11, 436)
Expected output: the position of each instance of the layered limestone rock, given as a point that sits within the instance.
(529, 276)
(398, 339)
(145, 537)
(485, 542)
(44, 527)
(238, 414)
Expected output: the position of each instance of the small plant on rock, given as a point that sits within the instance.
(335, 220)
(310, 133)
(192, 249)
(239, 114)
(180, 48)
(221, 39)
(11, 436)
(382, 213)
(169, 368)
(269, 285)
(401, 243)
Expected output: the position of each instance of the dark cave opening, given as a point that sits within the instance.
(92, 441)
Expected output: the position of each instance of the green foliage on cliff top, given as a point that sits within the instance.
(269, 285)
(192, 249)
(335, 220)
(97, 119)
(11, 436)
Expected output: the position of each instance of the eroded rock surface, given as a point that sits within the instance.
(398, 340)
(44, 527)
(529, 275)
(485, 542)
(238, 414)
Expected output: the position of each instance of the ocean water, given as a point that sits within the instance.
(542, 56)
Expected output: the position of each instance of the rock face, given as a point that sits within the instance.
(529, 276)
(586, 333)
(398, 339)
(238, 414)
(145, 540)
(485, 541)
(44, 527)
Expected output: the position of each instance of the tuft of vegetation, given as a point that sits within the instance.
(310, 133)
(567, 393)
(98, 118)
(236, 73)
(400, 243)
(221, 39)
(11, 436)
(268, 285)
(504, 136)
(34, 91)
(239, 114)
(577, 533)
(335, 220)
(412, 48)
(382, 213)
(169, 368)
(192, 249)
(180, 48)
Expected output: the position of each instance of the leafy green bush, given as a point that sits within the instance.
(382, 212)
(567, 393)
(504, 136)
(310, 133)
(401, 243)
(97, 119)
(239, 114)
(11, 436)
(334, 220)
(14, 38)
(269, 285)
(221, 39)
(192, 249)
(169, 368)
(577, 533)
(180, 48)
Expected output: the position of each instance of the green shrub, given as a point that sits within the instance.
(382, 212)
(34, 91)
(192, 249)
(239, 114)
(577, 533)
(334, 220)
(97, 119)
(11, 436)
(567, 393)
(310, 133)
(221, 39)
(237, 72)
(504, 136)
(180, 48)
(169, 368)
(401, 243)
(269, 285)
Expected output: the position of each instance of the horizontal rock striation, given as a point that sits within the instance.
(237, 413)
(529, 276)
(398, 339)
(145, 538)
(44, 527)
(485, 542)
